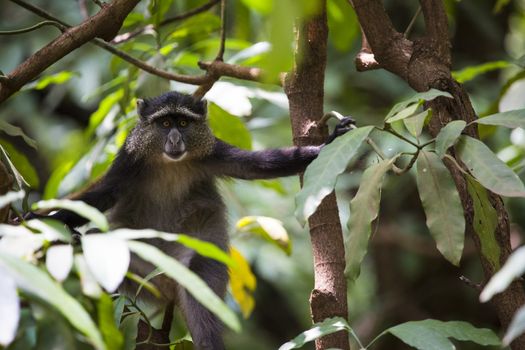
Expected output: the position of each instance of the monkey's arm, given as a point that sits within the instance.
(228, 160)
(104, 193)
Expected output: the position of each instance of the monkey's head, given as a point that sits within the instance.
(171, 127)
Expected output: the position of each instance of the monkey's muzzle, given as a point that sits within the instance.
(174, 148)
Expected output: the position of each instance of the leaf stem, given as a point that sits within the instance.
(399, 136)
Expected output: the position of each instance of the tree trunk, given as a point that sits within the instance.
(425, 63)
(305, 90)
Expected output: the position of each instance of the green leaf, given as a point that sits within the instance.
(104, 108)
(106, 323)
(448, 135)
(187, 279)
(263, 7)
(364, 208)
(12, 130)
(434, 334)
(471, 72)
(20, 165)
(20, 182)
(129, 328)
(204, 248)
(442, 206)
(427, 96)
(488, 169)
(58, 78)
(404, 113)
(415, 123)
(514, 267)
(11, 197)
(78, 207)
(52, 230)
(509, 119)
(269, 229)
(320, 176)
(485, 222)
(228, 127)
(34, 281)
(342, 24)
(516, 327)
(149, 85)
(318, 330)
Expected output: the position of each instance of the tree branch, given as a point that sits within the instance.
(425, 64)
(390, 49)
(436, 25)
(214, 70)
(104, 24)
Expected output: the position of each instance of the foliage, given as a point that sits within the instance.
(54, 289)
(425, 334)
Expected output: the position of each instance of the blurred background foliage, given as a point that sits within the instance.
(80, 110)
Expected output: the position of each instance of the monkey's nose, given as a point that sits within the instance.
(174, 138)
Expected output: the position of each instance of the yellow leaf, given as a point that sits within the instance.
(242, 283)
(270, 229)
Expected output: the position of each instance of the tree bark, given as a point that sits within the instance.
(305, 90)
(425, 63)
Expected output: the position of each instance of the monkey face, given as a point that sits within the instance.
(173, 131)
(174, 126)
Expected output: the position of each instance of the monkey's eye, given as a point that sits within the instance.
(183, 123)
(166, 123)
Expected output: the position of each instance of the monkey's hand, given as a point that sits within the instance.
(346, 124)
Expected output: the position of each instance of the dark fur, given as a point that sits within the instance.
(143, 190)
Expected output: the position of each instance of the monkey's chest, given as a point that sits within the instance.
(192, 210)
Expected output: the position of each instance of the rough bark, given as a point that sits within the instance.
(305, 90)
(425, 63)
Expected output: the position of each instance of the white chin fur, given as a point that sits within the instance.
(170, 159)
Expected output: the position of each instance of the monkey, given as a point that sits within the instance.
(164, 178)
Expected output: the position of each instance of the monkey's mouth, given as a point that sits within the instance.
(174, 156)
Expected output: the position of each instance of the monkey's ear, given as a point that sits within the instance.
(141, 106)
(202, 105)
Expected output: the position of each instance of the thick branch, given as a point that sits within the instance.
(436, 24)
(428, 66)
(391, 50)
(105, 24)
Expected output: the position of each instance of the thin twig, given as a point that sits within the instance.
(33, 27)
(188, 79)
(412, 22)
(130, 35)
(38, 11)
(220, 54)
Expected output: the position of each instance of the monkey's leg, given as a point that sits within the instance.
(205, 327)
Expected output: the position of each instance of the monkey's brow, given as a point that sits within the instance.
(173, 110)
